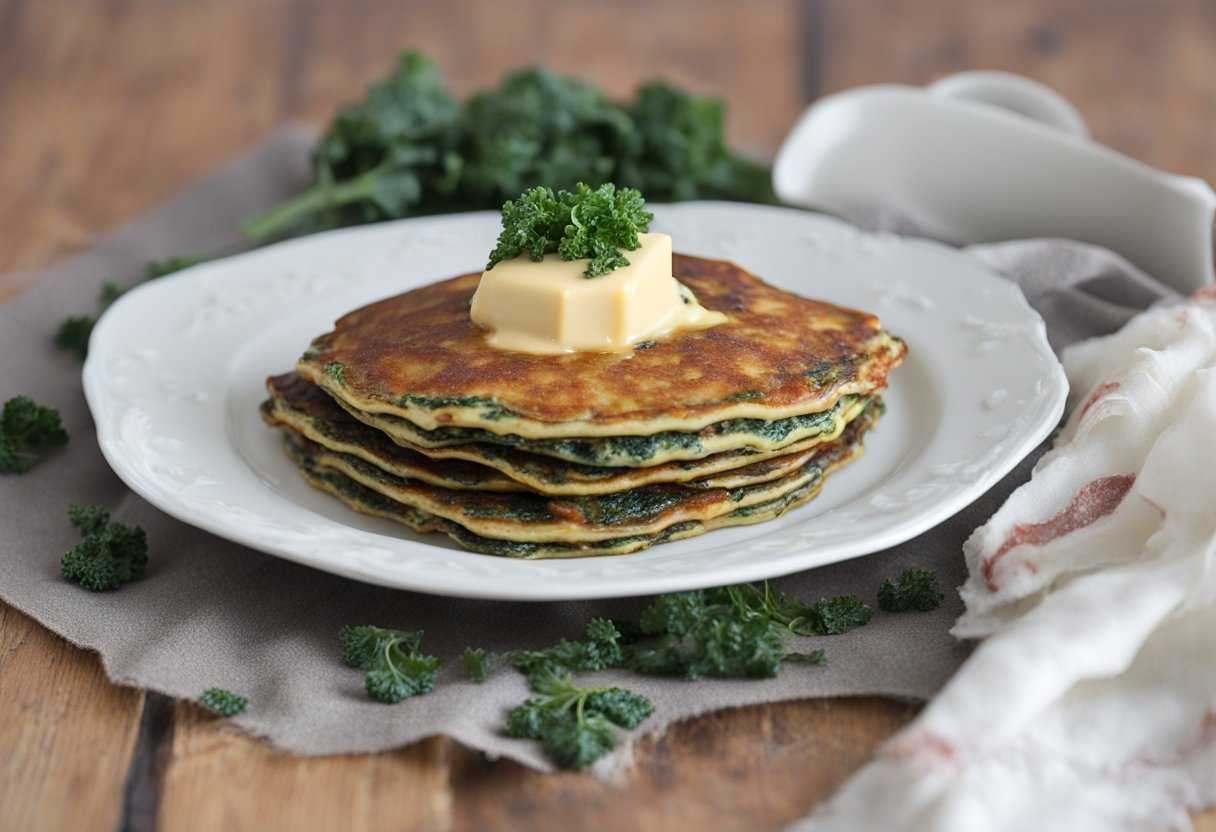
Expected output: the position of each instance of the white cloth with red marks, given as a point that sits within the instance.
(1091, 702)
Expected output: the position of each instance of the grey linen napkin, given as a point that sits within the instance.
(211, 613)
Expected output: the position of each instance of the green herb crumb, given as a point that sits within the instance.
(600, 648)
(336, 371)
(223, 702)
(915, 590)
(477, 663)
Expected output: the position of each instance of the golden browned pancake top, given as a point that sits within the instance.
(778, 354)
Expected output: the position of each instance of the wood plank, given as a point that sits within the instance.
(219, 778)
(747, 769)
(65, 731)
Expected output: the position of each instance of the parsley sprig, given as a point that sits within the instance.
(223, 702)
(393, 664)
(109, 554)
(738, 631)
(825, 617)
(477, 663)
(915, 590)
(592, 224)
(27, 431)
(573, 724)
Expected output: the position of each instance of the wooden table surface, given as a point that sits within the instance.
(109, 106)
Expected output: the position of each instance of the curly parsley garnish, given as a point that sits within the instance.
(27, 431)
(595, 225)
(109, 555)
(915, 590)
(730, 632)
(573, 724)
(477, 663)
(393, 665)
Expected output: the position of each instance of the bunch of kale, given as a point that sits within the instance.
(410, 148)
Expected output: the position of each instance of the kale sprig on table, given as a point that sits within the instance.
(409, 147)
(223, 702)
(573, 724)
(915, 590)
(729, 632)
(27, 431)
(393, 664)
(109, 553)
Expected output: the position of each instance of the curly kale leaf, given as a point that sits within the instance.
(573, 724)
(693, 635)
(735, 631)
(533, 225)
(109, 555)
(915, 590)
(411, 148)
(619, 706)
(825, 617)
(589, 224)
(73, 334)
(478, 664)
(598, 649)
(538, 128)
(27, 431)
(397, 674)
(89, 520)
(833, 616)
(361, 642)
(683, 153)
(394, 668)
(378, 158)
(223, 702)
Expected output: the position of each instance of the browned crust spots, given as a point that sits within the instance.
(779, 350)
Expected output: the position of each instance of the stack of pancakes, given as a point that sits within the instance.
(404, 411)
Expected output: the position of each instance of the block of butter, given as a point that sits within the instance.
(552, 307)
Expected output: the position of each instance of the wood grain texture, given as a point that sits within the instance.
(745, 769)
(218, 778)
(108, 106)
(66, 733)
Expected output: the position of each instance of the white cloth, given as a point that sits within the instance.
(1091, 702)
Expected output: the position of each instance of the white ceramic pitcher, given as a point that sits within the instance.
(987, 156)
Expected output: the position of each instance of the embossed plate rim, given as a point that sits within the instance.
(170, 360)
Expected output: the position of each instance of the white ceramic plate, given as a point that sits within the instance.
(176, 369)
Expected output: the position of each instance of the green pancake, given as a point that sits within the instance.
(371, 502)
(636, 451)
(304, 407)
(419, 357)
